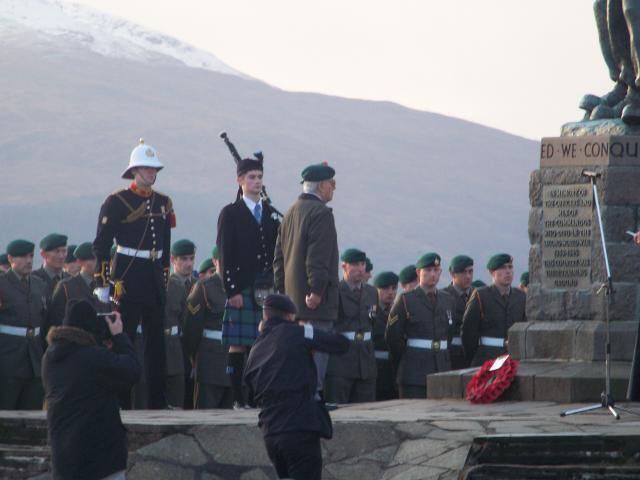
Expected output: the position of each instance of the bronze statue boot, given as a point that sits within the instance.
(597, 108)
(631, 111)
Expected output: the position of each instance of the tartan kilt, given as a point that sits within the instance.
(240, 326)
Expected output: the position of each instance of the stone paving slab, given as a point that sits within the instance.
(400, 439)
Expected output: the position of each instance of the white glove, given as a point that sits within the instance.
(102, 294)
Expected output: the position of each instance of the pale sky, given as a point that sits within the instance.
(520, 66)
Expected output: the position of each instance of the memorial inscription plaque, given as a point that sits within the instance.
(567, 236)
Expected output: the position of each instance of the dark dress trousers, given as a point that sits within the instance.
(487, 320)
(173, 310)
(417, 331)
(385, 382)
(456, 351)
(22, 316)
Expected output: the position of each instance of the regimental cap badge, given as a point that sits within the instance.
(149, 153)
(436, 262)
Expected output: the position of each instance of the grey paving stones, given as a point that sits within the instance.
(180, 449)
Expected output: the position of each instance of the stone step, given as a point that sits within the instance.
(557, 381)
(23, 461)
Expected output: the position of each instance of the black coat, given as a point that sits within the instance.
(246, 248)
(282, 376)
(81, 382)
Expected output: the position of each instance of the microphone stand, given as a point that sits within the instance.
(606, 397)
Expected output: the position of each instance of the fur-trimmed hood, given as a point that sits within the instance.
(65, 340)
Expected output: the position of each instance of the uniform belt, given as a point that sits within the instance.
(382, 354)
(359, 336)
(171, 331)
(20, 331)
(132, 252)
(493, 342)
(139, 329)
(436, 345)
(212, 334)
(456, 341)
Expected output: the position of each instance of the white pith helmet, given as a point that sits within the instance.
(142, 156)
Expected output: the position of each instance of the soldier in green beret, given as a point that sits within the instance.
(408, 278)
(53, 250)
(387, 285)
(418, 329)
(4, 263)
(75, 288)
(206, 269)
(524, 282)
(351, 377)
(306, 260)
(478, 284)
(71, 264)
(491, 311)
(23, 304)
(202, 340)
(368, 271)
(461, 271)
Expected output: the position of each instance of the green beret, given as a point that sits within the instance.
(183, 247)
(498, 260)
(317, 173)
(113, 250)
(430, 259)
(70, 257)
(353, 255)
(478, 284)
(84, 251)
(369, 266)
(215, 253)
(386, 279)
(459, 263)
(205, 265)
(408, 274)
(53, 241)
(524, 279)
(20, 248)
(4, 259)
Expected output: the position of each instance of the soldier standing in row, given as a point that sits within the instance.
(71, 264)
(461, 271)
(206, 269)
(140, 220)
(524, 282)
(351, 378)
(306, 256)
(202, 340)
(418, 329)
(368, 271)
(387, 285)
(53, 250)
(408, 278)
(23, 298)
(490, 313)
(247, 231)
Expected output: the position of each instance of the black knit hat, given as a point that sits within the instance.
(82, 315)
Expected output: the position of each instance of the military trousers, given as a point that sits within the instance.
(155, 362)
(21, 393)
(349, 390)
(212, 396)
(295, 455)
(321, 359)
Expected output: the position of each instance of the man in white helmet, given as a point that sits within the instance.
(140, 220)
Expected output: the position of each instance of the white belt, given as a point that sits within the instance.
(360, 336)
(427, 344)
(167, 331)
(19, 331)
(492, 342)
(139, 329)
(132, 252)
(456, 341)
(212, 334)
(382, 355)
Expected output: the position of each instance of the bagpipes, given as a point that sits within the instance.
(237, 159)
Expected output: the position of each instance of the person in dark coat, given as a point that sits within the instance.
(491, 311)
(387, 285)
(247, 231)
(281, 374)
(418, 329)
(305, 264)
(82, 379)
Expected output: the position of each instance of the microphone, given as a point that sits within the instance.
(590, 174)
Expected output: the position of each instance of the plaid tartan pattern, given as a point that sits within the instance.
(240, 326)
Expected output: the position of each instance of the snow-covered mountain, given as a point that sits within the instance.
(78, 89)
(103, 34)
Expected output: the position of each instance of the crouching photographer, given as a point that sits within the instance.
(82, 378)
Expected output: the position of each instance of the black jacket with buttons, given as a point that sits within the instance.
(246, 248)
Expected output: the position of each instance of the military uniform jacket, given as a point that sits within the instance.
(173, 310)
(71, 289)
(246, 247)
(306, 257)
(379, 327)
(355, 314)
(414, 316)
(205, 309)
(21, 305)
(51, 283)
(139, 223)
(488, 314)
